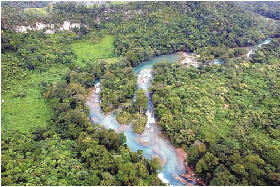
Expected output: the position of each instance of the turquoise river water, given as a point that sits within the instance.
(152, 142)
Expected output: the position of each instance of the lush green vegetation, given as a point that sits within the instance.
(89, 52)
(208, 54)
(134, 112)
(23, 106)
(14, 13)
(268, 9)
(226, 117)
(118, 86)
(145, 29)
(26, 4)
(29, 63)
(184, 26)
(47, 137)
(70, 150)
(37, 12)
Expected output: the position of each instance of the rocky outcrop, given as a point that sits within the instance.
(190, 176)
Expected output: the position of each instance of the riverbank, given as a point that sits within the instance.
(152, 142)
(191, 176)
(189, 59)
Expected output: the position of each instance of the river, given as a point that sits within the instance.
(152, 142)
(253, 49)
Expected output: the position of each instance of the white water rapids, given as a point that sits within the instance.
(151, 141)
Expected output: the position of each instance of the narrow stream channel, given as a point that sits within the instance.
(267, 41)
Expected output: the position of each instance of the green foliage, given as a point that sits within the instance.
(88, 52)
(117, 85)
(267, 9)
(124, 117)
(226, 116)
(22, 13)
(141, 101)
(139, 122)
(71, 151)
(166, 27)
(101, 150)
(208, 54)
(223, 177)
(23, 106)
(144, 29)
(37, 12)
(39, 51)
(50, 161)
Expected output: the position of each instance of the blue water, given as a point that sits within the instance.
(151, 141)
(267, 41)
(217, 61)
(172, 58)
(253, 49)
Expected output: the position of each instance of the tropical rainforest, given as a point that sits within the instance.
(225, 117)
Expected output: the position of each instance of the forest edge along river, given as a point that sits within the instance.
(152, 141)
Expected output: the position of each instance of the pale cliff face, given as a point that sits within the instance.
(66, 26)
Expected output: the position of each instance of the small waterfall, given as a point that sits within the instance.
(151, 141)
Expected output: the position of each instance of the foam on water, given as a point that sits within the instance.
(267, 41)
(217, 61)
(151, 141)
(252, 51)
(161, 176)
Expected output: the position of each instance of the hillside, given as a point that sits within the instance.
(270, 9)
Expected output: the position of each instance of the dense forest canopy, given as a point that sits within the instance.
(145, 29)
(25, 4)
(226, 117)
(70, 150)
(270, 9)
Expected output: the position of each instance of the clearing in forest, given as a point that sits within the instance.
(89, 52)
(23, 106)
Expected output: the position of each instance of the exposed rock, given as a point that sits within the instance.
(180, 179)
(67, 25)
(182, 156)
(123, 128)
(189, 59)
